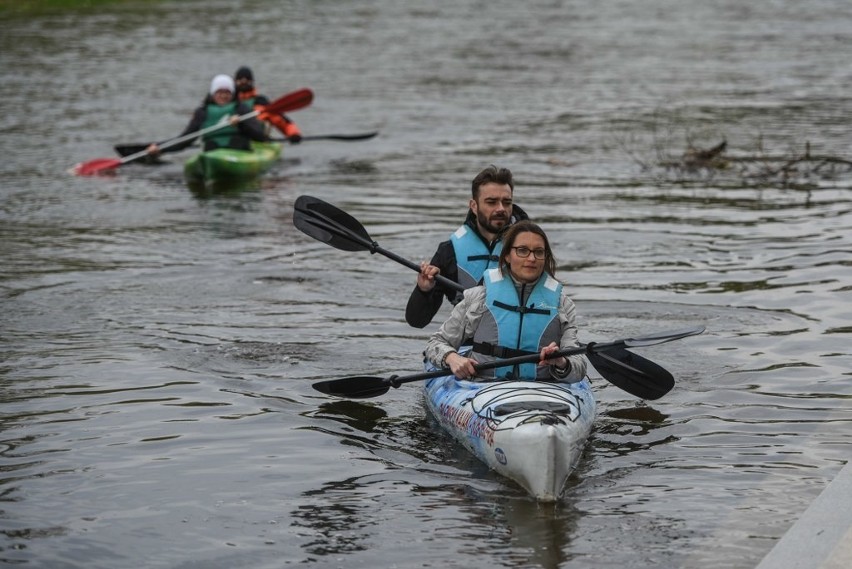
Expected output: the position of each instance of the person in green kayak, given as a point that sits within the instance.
(247, 93)
(471, 249)
(221, 106)
(520, 309)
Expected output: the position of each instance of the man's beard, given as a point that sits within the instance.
(488, 224)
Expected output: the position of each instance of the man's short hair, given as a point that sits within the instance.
(492, 174)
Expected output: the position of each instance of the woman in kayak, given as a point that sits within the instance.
(519, 309)
(221, 106)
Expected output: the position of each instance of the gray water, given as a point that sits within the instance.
(158, 346)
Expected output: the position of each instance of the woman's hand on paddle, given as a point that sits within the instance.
(426, 276)
(561, 361)
(461, 366)
(153, 149)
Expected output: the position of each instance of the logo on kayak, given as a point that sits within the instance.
(500, 455)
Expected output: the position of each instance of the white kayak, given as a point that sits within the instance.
(530, 432)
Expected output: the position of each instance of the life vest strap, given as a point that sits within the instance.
(489, 349)
(521, 309)
(494, 258)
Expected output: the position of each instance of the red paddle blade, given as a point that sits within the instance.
(290, 102)
(96, 166)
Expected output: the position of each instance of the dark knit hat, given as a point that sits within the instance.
(244, 73)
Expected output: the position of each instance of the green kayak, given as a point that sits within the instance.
(225, 164)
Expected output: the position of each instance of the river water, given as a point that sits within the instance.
(158, 346)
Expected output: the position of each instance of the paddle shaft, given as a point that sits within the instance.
(414, 266)
(190, 136)
(130, 148)
(395, 381)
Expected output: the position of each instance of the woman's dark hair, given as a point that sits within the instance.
(511, 235)
(492, 174)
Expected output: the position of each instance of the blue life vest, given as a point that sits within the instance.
(473, 256)
(508, 329)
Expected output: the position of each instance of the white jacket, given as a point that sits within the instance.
(465, 319)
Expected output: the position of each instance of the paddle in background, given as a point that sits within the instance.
(340, 137)
(638, 376)
(132, 148)
(624, 369)
(289, 102)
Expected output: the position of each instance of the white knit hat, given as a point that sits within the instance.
(221, 82)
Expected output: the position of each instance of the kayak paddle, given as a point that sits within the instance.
(624, 369)
(132, 148)
(289, 102)
(333, 226)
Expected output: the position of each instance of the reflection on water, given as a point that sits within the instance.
(360, 416)
(159, 345)
(223, 188)
(350, 516)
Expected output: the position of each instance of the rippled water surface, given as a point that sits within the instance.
(158, 345)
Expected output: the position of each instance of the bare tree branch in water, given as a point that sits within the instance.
(796, 168)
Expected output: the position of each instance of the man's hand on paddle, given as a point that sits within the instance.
(426, 276)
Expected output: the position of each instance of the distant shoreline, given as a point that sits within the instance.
(40, 7)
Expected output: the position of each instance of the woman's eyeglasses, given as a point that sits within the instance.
(524, 252)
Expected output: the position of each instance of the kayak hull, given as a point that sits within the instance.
(530, 432)
(229, 165)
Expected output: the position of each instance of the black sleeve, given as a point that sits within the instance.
(194, 125)
(252, 128)
(423, 306)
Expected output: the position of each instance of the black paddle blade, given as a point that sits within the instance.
(364, 387)
(326, 223)
(662, 337)
(347, 137)
(128, 149)
(632, 373)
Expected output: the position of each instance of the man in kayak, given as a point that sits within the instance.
(247, 93)
(471, 250)
(520, 309)
(220, 105)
